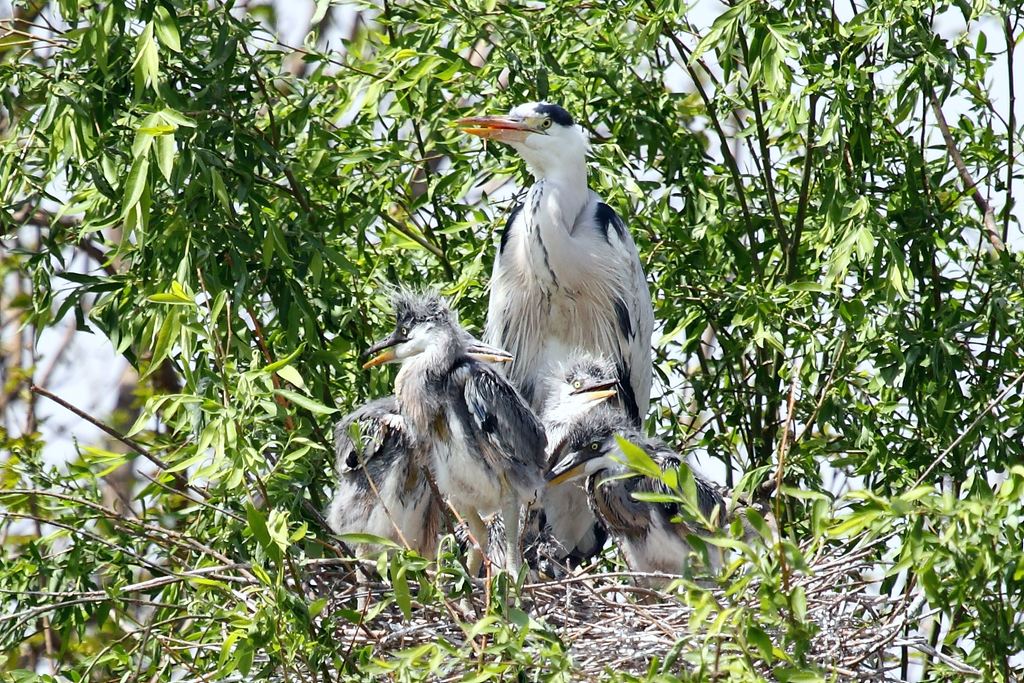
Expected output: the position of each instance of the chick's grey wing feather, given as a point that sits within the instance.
(612, 502)
(503, 423)
(380, 425)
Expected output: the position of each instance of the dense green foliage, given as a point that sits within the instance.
(793, 188)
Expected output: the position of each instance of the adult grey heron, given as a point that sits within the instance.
(486, 445)
(581, 383)
(382, 484)
(567, 274)
(652, 535)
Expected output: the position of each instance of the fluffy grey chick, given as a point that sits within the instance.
(651, 535)
(486, 446)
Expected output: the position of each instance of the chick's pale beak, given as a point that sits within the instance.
(487, 353)
(597, 392)
(567, 469)
(383, 349)
(492, 357)
(501, 128)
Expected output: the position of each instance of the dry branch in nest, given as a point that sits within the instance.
(608, 623)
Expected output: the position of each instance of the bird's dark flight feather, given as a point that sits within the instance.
(504, 422)
(607, 218)
(508, 226)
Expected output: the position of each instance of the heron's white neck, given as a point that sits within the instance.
(560, 168)
(564, 193)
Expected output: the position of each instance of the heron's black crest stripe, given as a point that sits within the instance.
(625, 324)
(606, 217)
(555, 113)
(508, 227)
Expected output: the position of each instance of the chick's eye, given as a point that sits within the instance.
(405, 331)
(594, 446)
(577, 384)
(545, 124)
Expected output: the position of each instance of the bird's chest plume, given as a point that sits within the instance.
(418, 398)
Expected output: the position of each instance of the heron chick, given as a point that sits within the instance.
(581, 383)
(653, 536)
(567, 274)
(486, 446)
(382, 484)
(381, 471)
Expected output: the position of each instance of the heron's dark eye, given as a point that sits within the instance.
(577, 384)
(545, 124)
(404, 331)
(594, 446)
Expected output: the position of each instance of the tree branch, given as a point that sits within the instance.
(970, 186)
(131, 443)
(730, 160)
(805, 186)
(766, 159)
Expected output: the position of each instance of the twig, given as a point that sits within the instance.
(131, 443)
(730, 160)
(779, 473)
(805, 185)
(766, 157)
(970, 186)
(1011, 126)
(963, 435)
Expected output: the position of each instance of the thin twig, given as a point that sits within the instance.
(131, 443)
(970, 186)
(965, 433)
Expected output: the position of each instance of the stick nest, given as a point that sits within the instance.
(609, 622)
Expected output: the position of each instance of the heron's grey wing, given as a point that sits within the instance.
(634, 314)
(496, 332)
(379, 424)
(508, 430)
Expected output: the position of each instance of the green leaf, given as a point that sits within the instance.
(304, 402)
(400, 586)
(167, 29)
(321, 11)
(292, 376)
(134, 186)
(637, 459)
(147, 60)
(368, 539)
(316, 607)
(165, 152)
(258, 526)
(761, 641)
(281, 362)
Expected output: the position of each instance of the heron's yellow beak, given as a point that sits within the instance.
(598, 391)
(592, 396)
(384, 349)
(381, 358)
(501, 128)
(493, 358)
(556, 477)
